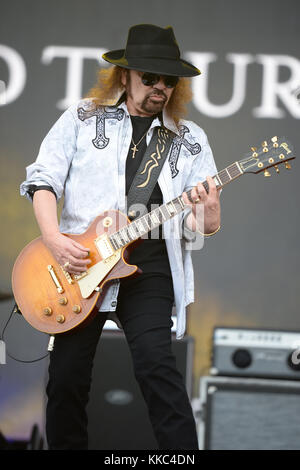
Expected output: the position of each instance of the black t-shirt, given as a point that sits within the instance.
(151, 255)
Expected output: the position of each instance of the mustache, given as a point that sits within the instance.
(157, 92)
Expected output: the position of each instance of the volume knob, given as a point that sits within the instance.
(76, 308)
(47, 311)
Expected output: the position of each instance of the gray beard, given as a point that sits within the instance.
(150, 107)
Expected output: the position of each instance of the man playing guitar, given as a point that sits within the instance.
(91, 156)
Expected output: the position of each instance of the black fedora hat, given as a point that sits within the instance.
(153, 49)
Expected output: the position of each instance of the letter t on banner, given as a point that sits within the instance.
(75, 57)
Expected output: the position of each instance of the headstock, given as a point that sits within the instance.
(271, 154)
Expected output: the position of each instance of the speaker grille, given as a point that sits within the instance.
(261, 415)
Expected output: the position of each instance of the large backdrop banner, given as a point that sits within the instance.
(248, 92)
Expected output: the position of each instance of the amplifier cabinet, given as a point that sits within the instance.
(248, 414)
(256, 353)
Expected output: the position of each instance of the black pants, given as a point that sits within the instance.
(144, 309)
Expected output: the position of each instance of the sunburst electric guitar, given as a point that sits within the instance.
(55, 301)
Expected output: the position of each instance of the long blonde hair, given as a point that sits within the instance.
(109, 88)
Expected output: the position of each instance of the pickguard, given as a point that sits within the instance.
(96, 274)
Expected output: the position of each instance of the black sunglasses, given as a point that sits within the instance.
(150, 79)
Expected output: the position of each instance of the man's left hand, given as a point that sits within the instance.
(211, 206)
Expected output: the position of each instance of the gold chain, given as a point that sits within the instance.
(134, 148)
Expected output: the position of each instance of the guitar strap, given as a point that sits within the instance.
(150, 167)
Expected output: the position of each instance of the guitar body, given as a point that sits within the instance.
(49, 298)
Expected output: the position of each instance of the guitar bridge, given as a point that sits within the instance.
(77, 277)
(67, 275)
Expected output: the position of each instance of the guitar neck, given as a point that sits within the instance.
(161, 214)
(225, 176)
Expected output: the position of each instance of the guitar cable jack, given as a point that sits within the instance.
(51, 343)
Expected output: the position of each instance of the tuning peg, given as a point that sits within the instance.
(265, 146)
(276, 168)
(267, 173)
(254, 154)
(274, 140)
(287, 166)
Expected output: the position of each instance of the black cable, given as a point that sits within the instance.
(15, 310)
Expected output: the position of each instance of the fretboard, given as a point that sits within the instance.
(161, 214)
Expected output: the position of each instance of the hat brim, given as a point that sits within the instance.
(174, 67)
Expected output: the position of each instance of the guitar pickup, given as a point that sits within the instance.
(104, 247)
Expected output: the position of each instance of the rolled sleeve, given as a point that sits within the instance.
(203, 165)
(54, 159)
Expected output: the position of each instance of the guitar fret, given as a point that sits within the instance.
(233, 170)
(239, 168)
(163, 215)
(229, 173)
(124, 235)
(154, 216)
(171, 208)
(174, 207)
(131, 232)
(135, 227)
(145, 223)
(165, 212)
(177, 205)
(217, 180)
(148, 220)
(145, 220)
(119, 240)
(128, 234)
(140, 226)
(169, 213)
(179, 199)
(151, 223)
(158, 215)
(113, 242)
(226, 169)
(223, 177)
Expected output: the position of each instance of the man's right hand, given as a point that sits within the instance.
(64, 250)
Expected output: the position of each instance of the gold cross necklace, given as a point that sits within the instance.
(134, 148)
